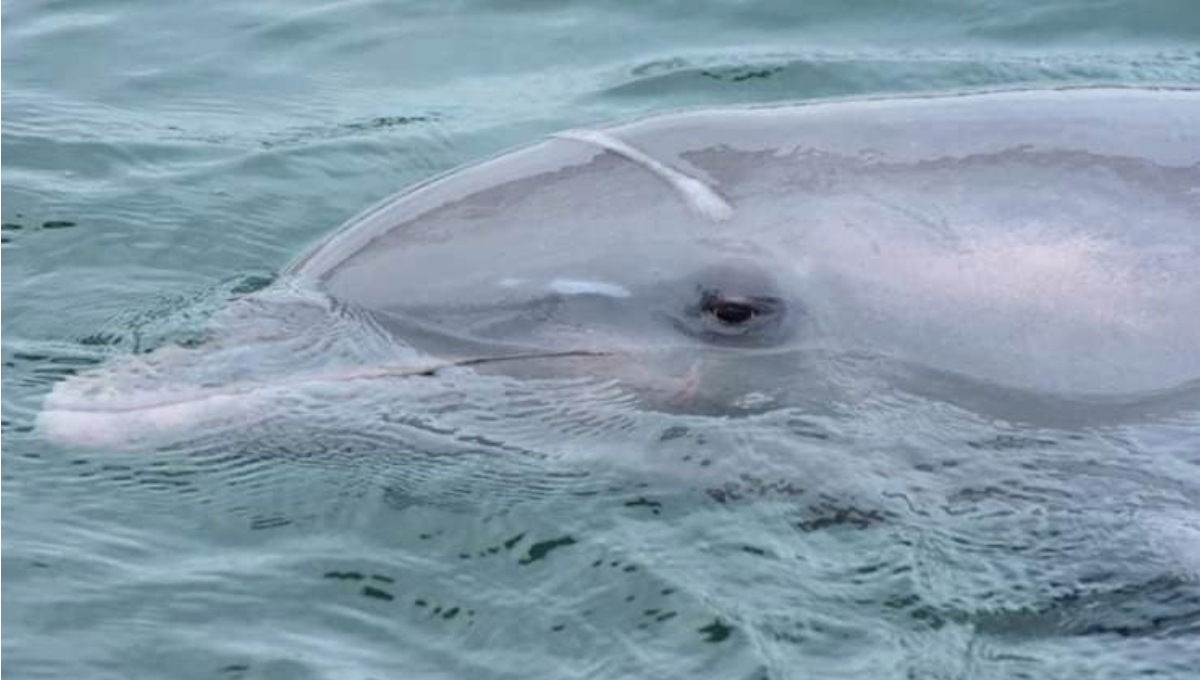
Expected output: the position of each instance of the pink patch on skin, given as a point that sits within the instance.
(689, 384)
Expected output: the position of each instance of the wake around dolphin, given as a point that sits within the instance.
(1036, 245)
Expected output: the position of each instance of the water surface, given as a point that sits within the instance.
(161, 158)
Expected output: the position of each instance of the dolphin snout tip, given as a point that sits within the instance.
(86, 411)
(77, 428)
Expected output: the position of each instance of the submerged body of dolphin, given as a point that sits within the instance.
(1041, 244)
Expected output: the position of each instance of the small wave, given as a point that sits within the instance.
(783, 76)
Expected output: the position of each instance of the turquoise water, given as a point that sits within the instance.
(159, 158)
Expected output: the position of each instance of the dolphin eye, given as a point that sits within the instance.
(730, 311)
(735, 304)
(732, 316)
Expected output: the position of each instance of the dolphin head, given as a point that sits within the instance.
(733, 260)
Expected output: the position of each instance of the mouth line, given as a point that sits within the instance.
(529, 356)
(75, 403)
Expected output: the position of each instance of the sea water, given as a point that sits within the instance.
(161, 158)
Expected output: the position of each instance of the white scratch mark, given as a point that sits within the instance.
(584, 287)
(699, 196)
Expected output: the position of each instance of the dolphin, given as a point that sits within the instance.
(985, 249)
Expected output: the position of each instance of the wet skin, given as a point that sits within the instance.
(1037, 242)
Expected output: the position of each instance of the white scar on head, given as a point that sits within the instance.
(584, 287)
(567, 286)
(699, 196)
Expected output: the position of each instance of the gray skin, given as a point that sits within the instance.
(985, 249)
